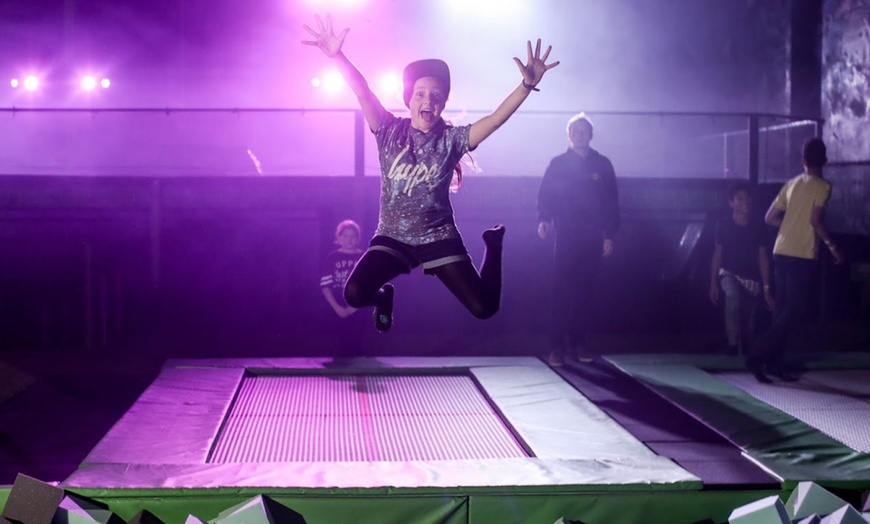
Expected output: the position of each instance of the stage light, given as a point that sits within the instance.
(334, 4)
(14, 83)
(315, 82)
(333, 81)
(390, 85)
(31, 83)
(495, 10)
(88, 83)
(105, 83)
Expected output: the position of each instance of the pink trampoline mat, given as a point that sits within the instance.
(387, 422)
(352, 418)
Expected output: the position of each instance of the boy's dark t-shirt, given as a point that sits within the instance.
(740, 245)
(335, 270)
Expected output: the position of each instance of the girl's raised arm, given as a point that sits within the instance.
(330, 43)
(533, 70)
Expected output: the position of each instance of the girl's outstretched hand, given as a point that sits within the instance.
(535, 65)
(326, 39)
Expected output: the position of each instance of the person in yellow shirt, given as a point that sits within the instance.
(799, 213)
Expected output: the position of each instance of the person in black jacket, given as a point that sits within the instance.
(578, 204)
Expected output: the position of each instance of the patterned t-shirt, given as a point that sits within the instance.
(416, 170)
(334, 271)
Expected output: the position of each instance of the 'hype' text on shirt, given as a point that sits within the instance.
(413, 174)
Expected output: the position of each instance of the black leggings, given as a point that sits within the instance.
(479, 293)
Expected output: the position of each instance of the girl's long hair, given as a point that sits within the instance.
(469, 162)
(456, 182)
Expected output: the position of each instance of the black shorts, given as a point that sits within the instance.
(430, 256)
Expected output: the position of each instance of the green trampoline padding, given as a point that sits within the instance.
(787, 447)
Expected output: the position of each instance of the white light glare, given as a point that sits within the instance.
(31, 83)
(495, 10)
(89, 83)
(336, 3)
(333, 81)
(105, 83)
(391, 85)
(14, 83)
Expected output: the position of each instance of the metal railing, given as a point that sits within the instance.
(190, 141)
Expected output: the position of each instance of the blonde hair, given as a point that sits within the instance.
(346, 224)
(579, 117)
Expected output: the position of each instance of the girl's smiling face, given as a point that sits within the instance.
(427, 102)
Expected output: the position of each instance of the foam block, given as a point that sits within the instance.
(259, 510)
(808, 498)
(32, 501)
(769, 510)
(76, 509)
(812, 519)
(845, 515)
(191, 519)
(145, 517)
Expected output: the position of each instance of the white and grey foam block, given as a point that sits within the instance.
(145, 517)
(769, 510)
(812, 519)
(75, 509)
(259, 510)
(808, 498)
(845, 515)
(193, 519)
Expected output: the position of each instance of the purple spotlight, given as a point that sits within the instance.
(88, 83)
(14, 83)
(315, 82)
(31, 83)
(105, 83)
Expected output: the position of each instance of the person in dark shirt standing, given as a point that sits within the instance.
(344, 322)
(578, 204)
(740, 269)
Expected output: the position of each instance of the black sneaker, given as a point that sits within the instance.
(786, 374)
(757, 370)
(384, 309)
(760, 376)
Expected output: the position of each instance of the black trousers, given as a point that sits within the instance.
(795, 282)
(576, 264)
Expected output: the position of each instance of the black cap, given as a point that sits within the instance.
(422, 68)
